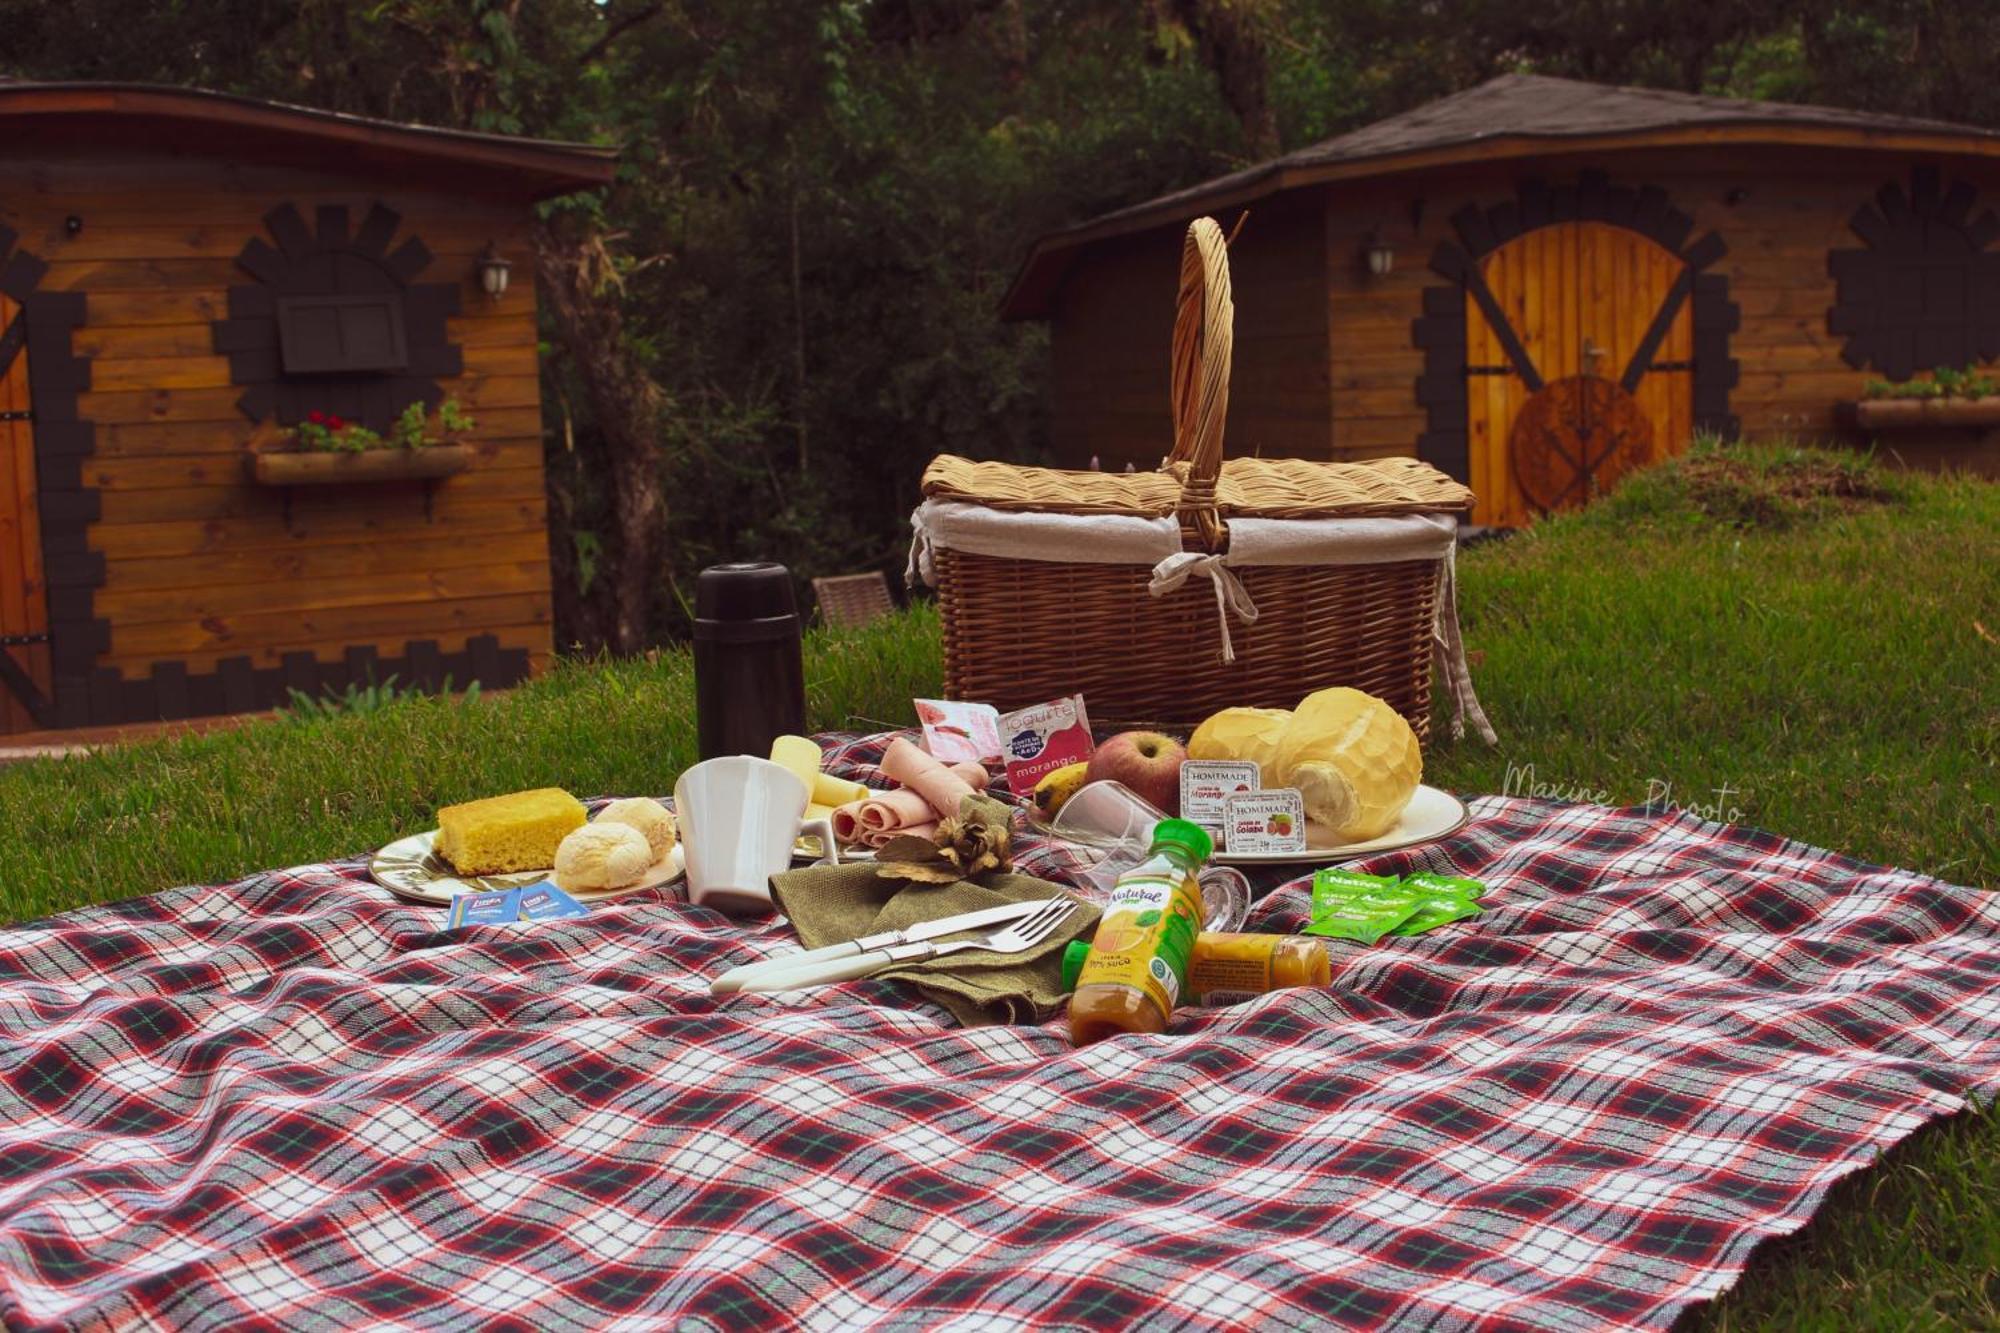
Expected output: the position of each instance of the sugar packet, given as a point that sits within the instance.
(1349, 905)
(530, 902)
(1441, 899)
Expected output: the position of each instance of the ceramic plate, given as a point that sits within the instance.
(1430, 815)
(410, 868)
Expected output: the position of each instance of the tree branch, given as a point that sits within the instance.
(618, 27)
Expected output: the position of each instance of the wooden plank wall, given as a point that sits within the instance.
(201, 566)
(1780, 211)
(1112, 334)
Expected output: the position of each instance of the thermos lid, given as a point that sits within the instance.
(753, 590)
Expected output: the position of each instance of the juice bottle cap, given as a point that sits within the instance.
(1072, 962)
(1185, 834)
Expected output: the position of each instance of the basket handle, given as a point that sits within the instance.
(1204, 332)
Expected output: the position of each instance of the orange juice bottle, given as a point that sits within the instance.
(1138, 964)
(1228, 968)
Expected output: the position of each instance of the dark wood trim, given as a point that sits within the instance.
(64, 504)
(1480, 231)
(1924, 291)
(366, 266)
(171, 692)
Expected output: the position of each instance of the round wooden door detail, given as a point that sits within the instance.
(1579, 346)
(1573, 439)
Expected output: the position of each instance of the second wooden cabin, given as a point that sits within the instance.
(1538, 284)
(184, 278)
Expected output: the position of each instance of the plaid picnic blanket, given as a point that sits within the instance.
(293, 1100)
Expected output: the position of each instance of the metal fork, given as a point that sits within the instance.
(1018, 937)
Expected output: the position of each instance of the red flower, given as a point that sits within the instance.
(317, 417)
(335, 423)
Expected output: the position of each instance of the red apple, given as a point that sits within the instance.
(1145, 761)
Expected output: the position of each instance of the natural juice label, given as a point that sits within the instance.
(1264, 822)
(1035, 742)
(1146, 937)
(1207, 785)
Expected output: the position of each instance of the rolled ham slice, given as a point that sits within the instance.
(944, 787)
(878, 838)
(930, 791)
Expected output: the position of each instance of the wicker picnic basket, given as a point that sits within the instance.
(1056, 582)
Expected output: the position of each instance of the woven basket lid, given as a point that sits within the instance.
(1246, 488)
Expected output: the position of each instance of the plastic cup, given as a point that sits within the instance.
(1112, 827)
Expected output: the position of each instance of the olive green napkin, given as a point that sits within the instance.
(831, 904)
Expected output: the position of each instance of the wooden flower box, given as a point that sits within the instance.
(290, 467)
(1921, 413)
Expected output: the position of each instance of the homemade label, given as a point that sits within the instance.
(1146, 937)
(1037, 741)
(959, 732)
(1206, 784)
(1263, 822)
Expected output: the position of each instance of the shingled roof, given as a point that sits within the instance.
(1514, 115)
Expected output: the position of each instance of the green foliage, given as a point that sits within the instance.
(1945, 382)
(325, 433)
(357, 700)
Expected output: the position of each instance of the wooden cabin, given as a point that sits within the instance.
(1539, 283)
(184, 277)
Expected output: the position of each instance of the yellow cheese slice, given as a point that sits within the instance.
(799, 755)
(830, 791)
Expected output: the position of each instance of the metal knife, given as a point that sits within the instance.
(737, 978)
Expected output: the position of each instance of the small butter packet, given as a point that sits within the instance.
(959, 732)
(1362, 917)
(493, 908)
(1207, 784)
(1035, 742)
(1264, 822)
(546, 902)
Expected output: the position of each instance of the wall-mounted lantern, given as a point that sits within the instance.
(1381, 255)
(493, 272)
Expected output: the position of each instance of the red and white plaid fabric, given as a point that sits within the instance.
(295, 1101)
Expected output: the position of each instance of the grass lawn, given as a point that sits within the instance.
(1775, 636)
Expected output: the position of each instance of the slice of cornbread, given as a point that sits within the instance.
(502, 833)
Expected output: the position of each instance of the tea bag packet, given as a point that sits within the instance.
(1441, 899)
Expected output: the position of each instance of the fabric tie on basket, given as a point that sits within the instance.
(1230, 594)
(1127, 539)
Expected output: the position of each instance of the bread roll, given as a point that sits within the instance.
(647, 815)
(1353, 758)
(602, 856)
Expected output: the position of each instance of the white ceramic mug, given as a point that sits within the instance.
(739, 817)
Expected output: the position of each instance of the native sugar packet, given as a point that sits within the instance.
(1035, 742)
(959, 732)
(1348, 905)
(1441, 899)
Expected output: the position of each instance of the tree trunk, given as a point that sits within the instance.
(1226, 31)
(580, 293)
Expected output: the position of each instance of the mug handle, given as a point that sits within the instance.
(822, 828)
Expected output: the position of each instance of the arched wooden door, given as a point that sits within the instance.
(1579, 361)
(24, 615)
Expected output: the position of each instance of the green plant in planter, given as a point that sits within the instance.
(329, 432)
(1945, 382)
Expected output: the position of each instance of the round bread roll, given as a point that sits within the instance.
(1354, 760)
(602, 856)
(653, 820)
(1242, 733)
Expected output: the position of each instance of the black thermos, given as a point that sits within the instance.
(749, 670)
